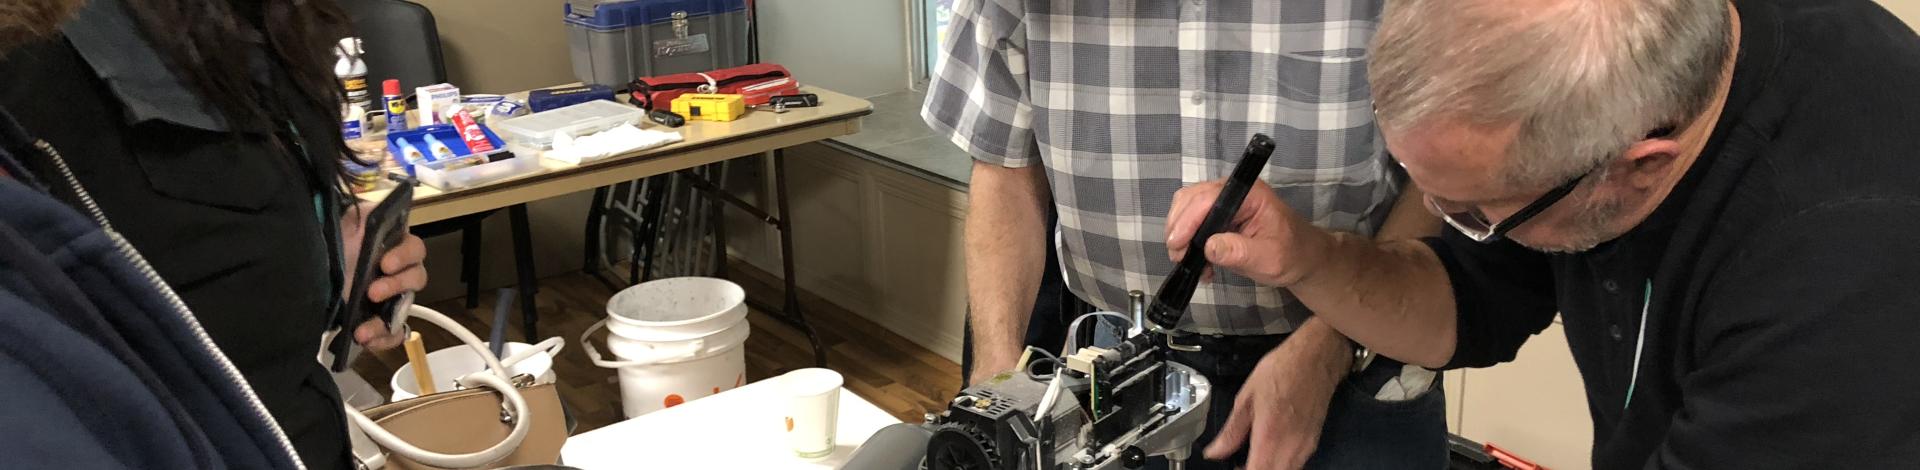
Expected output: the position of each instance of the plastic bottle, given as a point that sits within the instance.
(408, 153)
(352, 72)
(396, 105)
(440, 150)
(352, 122)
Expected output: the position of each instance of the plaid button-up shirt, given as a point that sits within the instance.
(1126, 101)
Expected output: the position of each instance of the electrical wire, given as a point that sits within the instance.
(1051, 370)
(1073, 330)
(1043, 352)
(1045, 357)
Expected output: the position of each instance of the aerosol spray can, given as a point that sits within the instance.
(396, 106)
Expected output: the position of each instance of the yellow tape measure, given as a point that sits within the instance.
(710, 107)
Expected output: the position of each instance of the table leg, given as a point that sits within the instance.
(523, 264)
(596, 212)
(785, 226)
(649, 236)
(719, 226)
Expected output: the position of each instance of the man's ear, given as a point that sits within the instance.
(1647, 162)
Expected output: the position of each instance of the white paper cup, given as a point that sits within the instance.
(813, 411)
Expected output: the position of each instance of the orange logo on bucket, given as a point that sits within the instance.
(789, 424)
(674, 399)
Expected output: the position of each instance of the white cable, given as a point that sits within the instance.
(1046, 401)
(1073, 331)
(713, 86)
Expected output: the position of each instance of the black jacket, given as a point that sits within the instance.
(100, 365)
(1765, 315)
(241, 228)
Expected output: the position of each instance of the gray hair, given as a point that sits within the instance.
(1583, 79)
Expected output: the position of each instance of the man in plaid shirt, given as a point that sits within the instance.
(1106, 108)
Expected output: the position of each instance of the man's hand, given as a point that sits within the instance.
(402, 269)
(1266, 240)
(1279, 411)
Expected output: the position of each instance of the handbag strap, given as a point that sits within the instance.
(551, 346)
(514, 408)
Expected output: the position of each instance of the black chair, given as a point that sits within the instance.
(402, 42)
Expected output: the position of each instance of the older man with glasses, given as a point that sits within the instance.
(1721, 201)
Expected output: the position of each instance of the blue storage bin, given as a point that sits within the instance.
(614, 42)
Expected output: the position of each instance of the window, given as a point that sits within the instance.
(939, 13)
(929, 21)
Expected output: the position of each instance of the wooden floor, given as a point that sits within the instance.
(900, 377)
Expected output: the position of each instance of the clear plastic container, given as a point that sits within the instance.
(462, 172)
(536, 131)
(465, 169)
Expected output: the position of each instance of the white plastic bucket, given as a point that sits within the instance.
(674, 340)
(449, 364)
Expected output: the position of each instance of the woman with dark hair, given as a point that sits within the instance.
(207, 133)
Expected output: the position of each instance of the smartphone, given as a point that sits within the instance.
(385, 228)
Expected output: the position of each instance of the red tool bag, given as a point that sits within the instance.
(756, 82)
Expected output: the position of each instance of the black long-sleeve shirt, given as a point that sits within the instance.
(1767, 314)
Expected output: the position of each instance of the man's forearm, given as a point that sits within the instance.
(1407, 220)
(1334, 355)
(1392, 296)
(1005, 242)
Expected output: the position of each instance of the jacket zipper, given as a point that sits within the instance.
(178, 306)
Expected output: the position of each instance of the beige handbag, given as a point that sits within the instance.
(493, 421)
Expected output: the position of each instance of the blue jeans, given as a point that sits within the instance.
(1360, 432)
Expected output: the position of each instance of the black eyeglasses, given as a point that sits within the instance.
(1475, 224)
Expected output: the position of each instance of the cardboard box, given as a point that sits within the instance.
(431, 101)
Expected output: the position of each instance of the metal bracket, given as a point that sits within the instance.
(1180, 347)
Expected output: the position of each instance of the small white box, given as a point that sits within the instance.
(431, 100)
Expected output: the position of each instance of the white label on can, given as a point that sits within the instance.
(695, 44)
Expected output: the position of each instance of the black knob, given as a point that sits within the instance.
(1133, 457)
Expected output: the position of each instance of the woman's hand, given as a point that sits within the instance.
(402, 270)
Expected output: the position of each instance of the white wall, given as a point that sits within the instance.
(1908, 10)
(1534, 406)
(857, 47)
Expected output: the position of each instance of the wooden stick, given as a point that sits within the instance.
(417, 356)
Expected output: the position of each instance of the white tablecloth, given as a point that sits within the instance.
(739, 428)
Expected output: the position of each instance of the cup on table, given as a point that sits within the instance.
(813, 411)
